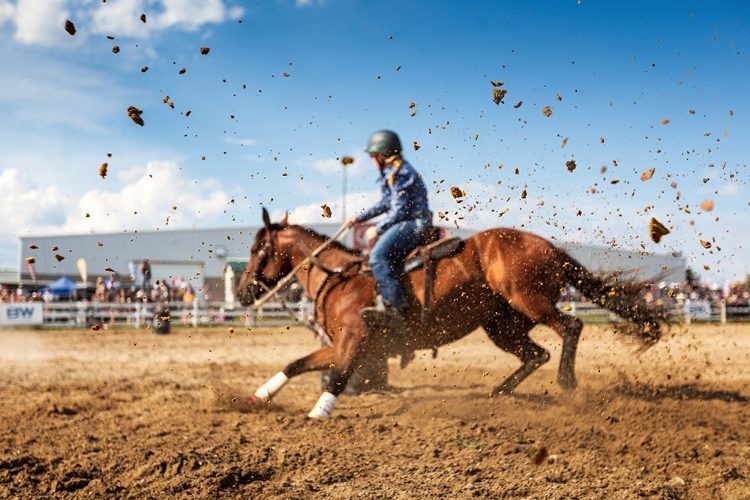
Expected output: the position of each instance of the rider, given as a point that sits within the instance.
(407, 219)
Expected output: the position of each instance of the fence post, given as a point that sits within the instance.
(686, 311)
(723, 311)
(86, 313)
(195, 312)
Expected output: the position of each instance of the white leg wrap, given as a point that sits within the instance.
(267, 390)
(324, 406)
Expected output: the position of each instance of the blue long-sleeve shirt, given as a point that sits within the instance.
(406, 199)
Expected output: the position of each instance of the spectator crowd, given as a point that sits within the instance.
(670, 295)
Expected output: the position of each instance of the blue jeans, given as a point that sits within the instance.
(388, 255)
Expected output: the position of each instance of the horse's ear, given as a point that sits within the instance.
(266, 219)
(285, 220)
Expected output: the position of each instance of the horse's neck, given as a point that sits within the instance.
(331, 257)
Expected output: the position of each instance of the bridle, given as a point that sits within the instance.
(262, 256)
(310, 260)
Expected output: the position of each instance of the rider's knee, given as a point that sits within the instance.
(378, 254)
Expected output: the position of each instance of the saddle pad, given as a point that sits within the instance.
(438, 250)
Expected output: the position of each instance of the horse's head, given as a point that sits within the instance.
(268, 262)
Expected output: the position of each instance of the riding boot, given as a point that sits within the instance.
(387, 316)
(398, 326)
(391, 321)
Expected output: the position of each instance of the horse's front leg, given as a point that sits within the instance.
(318, 360)
(339, 360)
(347, 354)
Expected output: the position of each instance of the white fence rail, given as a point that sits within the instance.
(721, 312)
(197, 313)
(687, 312)
(86, 314)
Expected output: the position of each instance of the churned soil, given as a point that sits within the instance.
(129, 414)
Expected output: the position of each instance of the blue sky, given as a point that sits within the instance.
(288, 88)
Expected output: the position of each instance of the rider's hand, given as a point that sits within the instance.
(351, 221)
(371, 233)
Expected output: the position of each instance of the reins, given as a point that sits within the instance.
(309, 259)
(315, 327)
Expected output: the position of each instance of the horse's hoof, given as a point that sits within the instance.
(324, 406)
(256, 402)
(406, 358)
(501, 391)
(568, 386)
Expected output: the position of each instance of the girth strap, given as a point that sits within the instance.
(428, 256)
(429, 278)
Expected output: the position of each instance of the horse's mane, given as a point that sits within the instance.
(333, 243)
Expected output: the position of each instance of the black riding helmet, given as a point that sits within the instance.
(384, 142)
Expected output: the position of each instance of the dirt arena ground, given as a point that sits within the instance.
(129, 414)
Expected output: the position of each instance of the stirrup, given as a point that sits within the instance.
(377, 313)
(386, 317)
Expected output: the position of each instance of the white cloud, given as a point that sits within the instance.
(731, 189)
(144, 199)
(235, 13)
(313, 213)
(332, 166)
(327, 166)
(241, 142)
(147, 201)
(40, 22)
(309, 3)
(6, 11)
(192, 14)
(24, 205)
(121, 18)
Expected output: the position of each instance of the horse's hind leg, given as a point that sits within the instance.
(541, 310)
(572, 327)
(509, 331)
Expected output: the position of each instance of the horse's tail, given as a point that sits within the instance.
(622, 298)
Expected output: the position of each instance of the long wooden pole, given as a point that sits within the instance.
(286, 279)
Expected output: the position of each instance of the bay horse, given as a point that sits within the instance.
(503, 280)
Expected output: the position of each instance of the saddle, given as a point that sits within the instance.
(432, 249)
(426, 256)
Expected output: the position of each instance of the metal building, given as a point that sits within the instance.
(212, 257)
